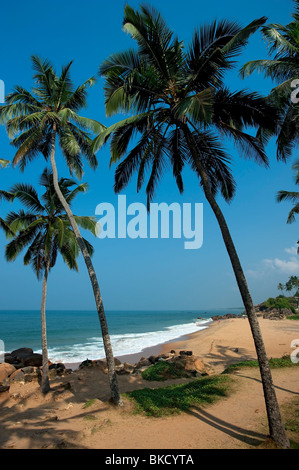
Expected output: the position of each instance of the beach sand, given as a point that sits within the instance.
(59, 420)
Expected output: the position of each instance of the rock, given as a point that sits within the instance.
(143, 362)
(34, 359)
(101, 363)
(4, 386)
(6, 370)
(186, 353)
(9, 358)
(17, 376)
(21, 353)
(153, 359)
(227, 316)
(59, 368)
(129, 368)
(28, 369)
(172, 351)
(192, 365)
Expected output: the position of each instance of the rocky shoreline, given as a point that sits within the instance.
(24, 366)
(261, 311)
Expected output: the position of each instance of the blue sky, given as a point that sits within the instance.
(144, 273)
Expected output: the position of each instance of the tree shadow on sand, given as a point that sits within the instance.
(251, 438)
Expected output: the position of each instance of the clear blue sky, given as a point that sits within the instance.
(147, 274)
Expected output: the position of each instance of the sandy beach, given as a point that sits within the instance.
(60, 420)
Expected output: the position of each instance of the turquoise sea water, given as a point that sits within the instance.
(74, 336)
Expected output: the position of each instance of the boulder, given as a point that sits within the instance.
(227, 316)
(143, 362)
(6, 370)
(9, 358)
(58, 367)
(21, 353)
(129, 368)
(154, 359)
(4, 386)
(191, 364)
(34, 359)
(17, 376)
(186, 353)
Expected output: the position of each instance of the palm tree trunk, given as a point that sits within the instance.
(45, 384)
(114, 388)
(276, 428)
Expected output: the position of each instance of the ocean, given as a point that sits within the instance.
(74, 336)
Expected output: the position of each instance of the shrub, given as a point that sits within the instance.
(279, 303)
(163, 370)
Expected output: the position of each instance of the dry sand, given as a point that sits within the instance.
(30, 421)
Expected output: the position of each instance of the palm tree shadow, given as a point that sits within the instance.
(251, 438)
(275, 386)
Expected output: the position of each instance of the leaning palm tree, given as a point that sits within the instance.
(282, 67)
(36, 121)
(292, 196)
(43, 229)
(179, 107)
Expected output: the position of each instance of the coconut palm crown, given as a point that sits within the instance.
(292, 196)
(43, 228)
(282, 67)
(178, 96)
(29, 117)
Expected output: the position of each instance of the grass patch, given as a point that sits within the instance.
(290, 413)
(293, 317)
(89, 403)
(275, 363)
(90, 418)
(174, 399)
(163, 370)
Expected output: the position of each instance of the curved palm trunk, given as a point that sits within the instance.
(276, 428)
(45, 384)
(115, 395)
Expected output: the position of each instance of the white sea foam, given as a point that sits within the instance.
(129, 343)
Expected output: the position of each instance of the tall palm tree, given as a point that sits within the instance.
(35, 121)
(179, 107)
(292, 196)
(44, 231)
(282, 67)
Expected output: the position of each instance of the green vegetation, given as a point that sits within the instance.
(293, 317)
(163, 371)
(279, 303)
(275, 363)
(89, 403)
(177, 398)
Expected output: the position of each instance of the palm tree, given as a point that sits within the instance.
(44, 230)
(283, 69)
(281, 287)
(179, 107)
(35, 121)
(292, 196)
(3, 163)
